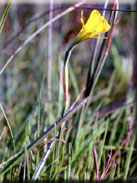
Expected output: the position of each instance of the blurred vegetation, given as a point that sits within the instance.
(25, 100)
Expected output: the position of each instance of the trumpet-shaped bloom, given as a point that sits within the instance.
(96, 24)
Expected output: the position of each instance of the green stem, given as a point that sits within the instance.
(66, 77)
(9, 127)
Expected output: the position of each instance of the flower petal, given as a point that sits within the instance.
(82, 19)
(93, 20)
(96, 24)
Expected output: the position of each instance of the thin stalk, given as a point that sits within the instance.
(128, 158)
(25, 162)
(49, 64)
(44, 158)
(134, 78)
(9, 127)
(39, 105)
(3, 19)
(66, 80)
(97, 43)
(69, 162)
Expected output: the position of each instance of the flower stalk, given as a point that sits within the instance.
(96, 24)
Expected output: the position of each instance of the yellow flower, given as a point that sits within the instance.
(96, 24)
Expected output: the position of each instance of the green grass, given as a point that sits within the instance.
(30, 110)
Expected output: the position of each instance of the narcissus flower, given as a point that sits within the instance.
(96, 24)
